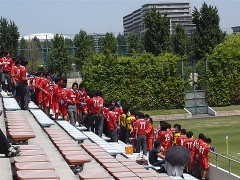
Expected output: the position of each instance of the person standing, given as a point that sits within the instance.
(140, 135)
(204, 149)
(71, 101)
(97, 110)
(23, 85)
(7, 64)
(56, 97)
(149, 134)
(112, 125)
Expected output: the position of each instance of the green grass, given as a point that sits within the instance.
(165, 112)
(216, 129)
(227, 108)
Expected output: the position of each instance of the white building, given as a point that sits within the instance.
(178, 12)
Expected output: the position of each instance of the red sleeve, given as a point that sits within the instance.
(23, 73)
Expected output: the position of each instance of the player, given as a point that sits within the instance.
(140, 135)
(112, 125)
(204, 149)
(149, 134)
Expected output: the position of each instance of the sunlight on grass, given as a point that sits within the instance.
(227, 108)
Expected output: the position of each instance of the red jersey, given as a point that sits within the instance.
(105, 112)
(141, 126)
(23, 74)
(97, 105)
(32, 82)
(166, 139)
(111, 119)
(71, 97)
(15, 73)
(57, 93)
(197, 144)
(149, 131)
(188, 143)
(45, 84)
(7, 64)
(180, 140)
(203, 150)
(90, 103)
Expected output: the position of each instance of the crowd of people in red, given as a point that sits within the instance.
(109, 117)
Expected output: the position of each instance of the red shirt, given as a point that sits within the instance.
(7, 64)
(141, 126)
(188, 143)
(57, 93)
(166, 139)
(32, 82)
(110, 120)
(105, 112)
(180, 140)
(82, 96)
(23, 74)
(15, 73)
(197, 144)
(45, 84)
(90, 103)
(97, 105)
(71, 96)
(149, 131)
(203, 150)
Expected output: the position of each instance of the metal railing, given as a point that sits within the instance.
(229, 164)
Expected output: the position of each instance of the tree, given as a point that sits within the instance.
(109, 44)
(9, 35)
(180, 41)
(22, 47)
(58, 57)
(134, 44)
(84, 48)
(208, 33)
(122, 44)
(157, 36)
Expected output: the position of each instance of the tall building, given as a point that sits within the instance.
(178, 12)
(236, 29)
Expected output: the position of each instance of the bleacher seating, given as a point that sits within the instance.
(72, 131)
(42, 118)
(10, 104)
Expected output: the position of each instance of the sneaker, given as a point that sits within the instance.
(16, 147)
(12, 152)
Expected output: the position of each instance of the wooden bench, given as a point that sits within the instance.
(37, 174)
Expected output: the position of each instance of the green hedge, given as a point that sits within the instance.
(223, 75)
(144, 82)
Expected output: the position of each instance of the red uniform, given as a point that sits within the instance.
(188, 143)
(57, 92)
(97, 105)
(89, 102)
(111, 119)
(72, 97)
(39, 96)
(15, 73)
(141, 126)
(180, 140)
(166, 140)
(203, 150)
(23, 74)
(149, 136)
(105, 112)
(118, 111)
(45, 85)
(64, 101)
(7, 64)
(81, 107)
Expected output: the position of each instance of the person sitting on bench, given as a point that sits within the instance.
(156, 153)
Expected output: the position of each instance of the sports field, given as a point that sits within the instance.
(216, 128)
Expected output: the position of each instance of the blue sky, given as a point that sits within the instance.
(93, 16)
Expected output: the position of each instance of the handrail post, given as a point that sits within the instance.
(229, 164)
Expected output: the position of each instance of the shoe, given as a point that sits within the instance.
(12, 152)
(16, 147)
